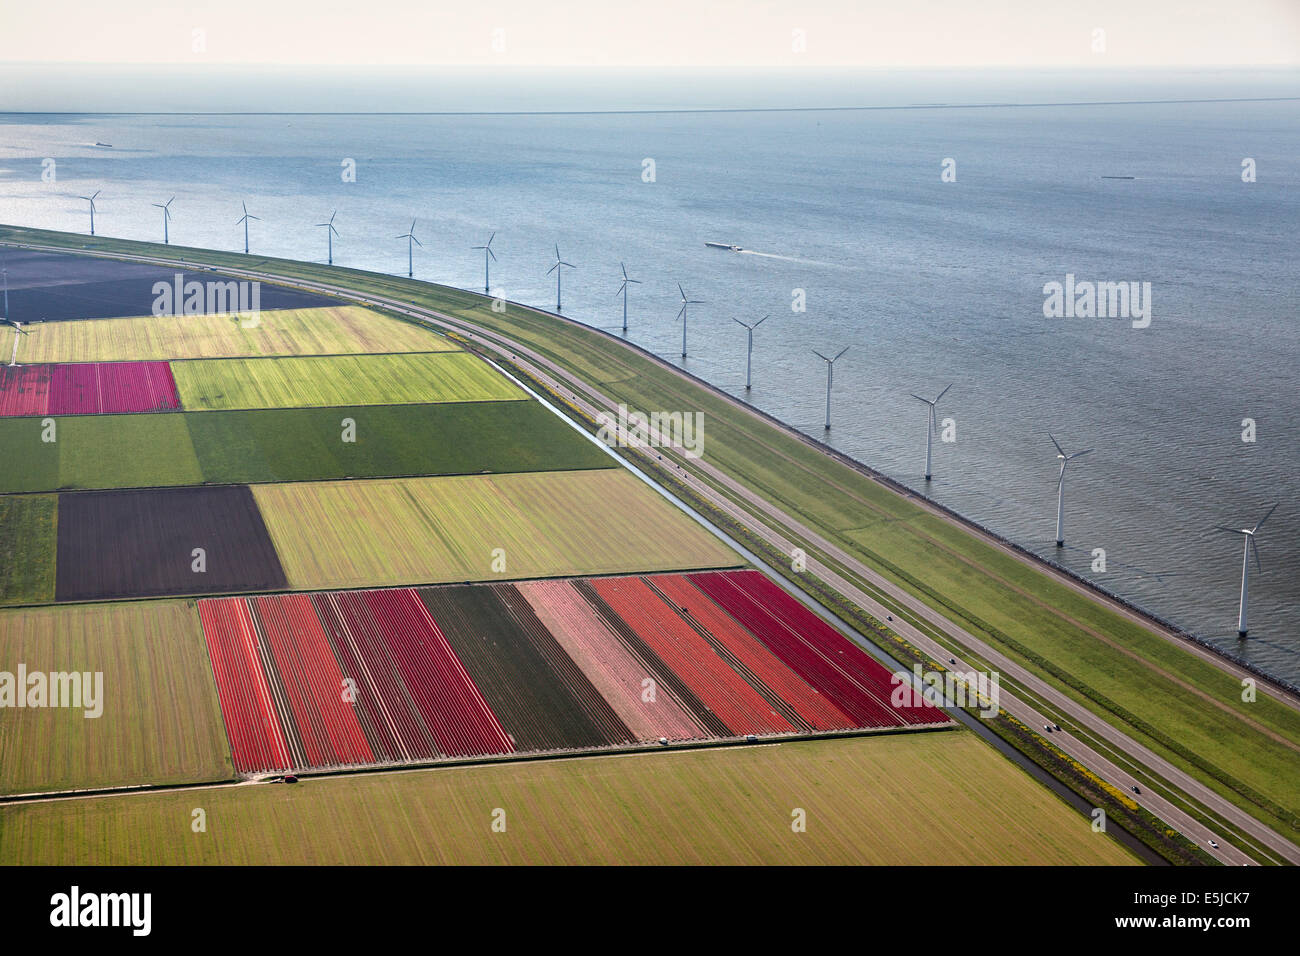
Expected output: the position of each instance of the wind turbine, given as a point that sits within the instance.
(623, 289)
(411, 243)
(682, 314)
(830, 373)
(1248, 545)
(929, 427)
(244, 219)
(487, 251)
(749, 355)
(558, 271)
(1060, 489)
(330, 233)
(167, 215)
(4, 271)
(91, 199)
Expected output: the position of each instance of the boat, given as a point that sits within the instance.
(723, 245)
(1119, 177)
(105, 145)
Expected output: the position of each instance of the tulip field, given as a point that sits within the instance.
(92, 388)
(408, 675)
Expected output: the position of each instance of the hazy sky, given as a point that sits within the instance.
(693, 33)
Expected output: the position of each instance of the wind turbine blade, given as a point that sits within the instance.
(552, 268)
(682, 291)
(557, 252)
(624, 268)
(1080, 454)
(1219, 527)
(761, 321)
(569, 264)
(942, 394)
(820, 356)
(738, 322)
(491, 237)
(491, 253)
(682, 311)
(1057, 444)
(417, 242)
(1263, 519)
(920, 399)
(841, 352)
(634, 281)
(621, 288)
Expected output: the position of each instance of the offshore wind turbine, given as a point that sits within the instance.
(929, 426)
(167, 215)
(91, 199)
(487, 251)
(558, 270)
(1248, 545)
(330, 233)
(623, 289)
(1060, 488)
(244, 219)
(411, 243)
(830, 374)
(682, 314)
(749, 354)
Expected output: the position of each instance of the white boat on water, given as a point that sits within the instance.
(723, 245)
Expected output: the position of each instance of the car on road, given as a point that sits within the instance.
(1213, 844)
(1135, 789)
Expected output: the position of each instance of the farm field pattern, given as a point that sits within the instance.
(472, 670)
(328, 538)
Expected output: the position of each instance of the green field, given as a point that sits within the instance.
(868, 801)
(306, 444)
(298, 444)
(28, 532)
(431, 530)
(340, 380)
(97, 451)
(161, 722)
(324, 331)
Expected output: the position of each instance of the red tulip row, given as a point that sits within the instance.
(257, 741)
(826, 659)
(90, 388)
(320, 701)
(811, 708)
(742, 708)
(342, 678)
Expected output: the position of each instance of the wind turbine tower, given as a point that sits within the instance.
(91, 199)
(244, 219)
(411, 243)
(682, 314)
(830, 374)
(167, 215)
(623, 289)
(487, 251)
(558, 270)
(1060, 489)
(330, 233)
(929, 427)
(749, 353)
(1247, 546)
